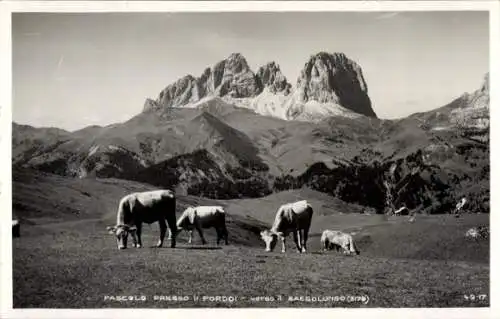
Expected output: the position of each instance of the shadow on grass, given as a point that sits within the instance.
(317, 253)
(200, 247)
(269, 256)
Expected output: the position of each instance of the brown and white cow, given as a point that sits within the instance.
(201, 217)
(293, 217)
(146, 207)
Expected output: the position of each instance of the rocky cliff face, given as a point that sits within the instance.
(474, 108)
(270, 76)
(333, 78)
(329, 84)
(480, 99)
(231, 77)
(150, 104)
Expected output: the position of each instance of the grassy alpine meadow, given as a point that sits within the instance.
(66, 259)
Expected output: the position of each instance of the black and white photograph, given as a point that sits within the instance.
(249, 158)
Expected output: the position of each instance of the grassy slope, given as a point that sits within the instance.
(67, 259)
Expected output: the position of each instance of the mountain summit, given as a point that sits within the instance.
(329, 84)
(334, 78)
(270, 76)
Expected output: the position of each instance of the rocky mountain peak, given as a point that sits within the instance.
(230, 77)
(234, 78)
(183, 91)
(236, 62)
(334, 78)
(480, 99)
(150, 104)
(329, 84)
(270, 76)
(473, 109)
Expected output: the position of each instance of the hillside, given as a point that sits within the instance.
(66, 259)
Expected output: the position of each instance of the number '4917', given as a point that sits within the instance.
(472, 297)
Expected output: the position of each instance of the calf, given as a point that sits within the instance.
(337, 239)
(204, 217)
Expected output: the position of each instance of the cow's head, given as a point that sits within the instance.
(186, 220)
(270, 238)
(121, 232)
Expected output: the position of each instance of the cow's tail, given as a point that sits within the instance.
(310, 210)
(354, 248)
(224, 228)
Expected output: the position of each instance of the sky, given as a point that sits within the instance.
(71, 70)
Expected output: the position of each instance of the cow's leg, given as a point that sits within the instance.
(190, 238)
(173, 236)
(163, 231)
(138, 233)
(200, 232)
(346, 248)
(133, 234)
(297, 238)
(219, 235)
(304, 240)
(283, 243)
(198, 227)
(300, 239)
(225, 234)
(172, 230)
(223, 228)
(326, 244)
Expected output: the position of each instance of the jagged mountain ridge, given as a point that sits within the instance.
(329, 85)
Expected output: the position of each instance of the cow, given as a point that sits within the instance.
(145, 207)
(402, 211)
(204, 217)
(16, 228)
(293, 217)
(338, 240)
